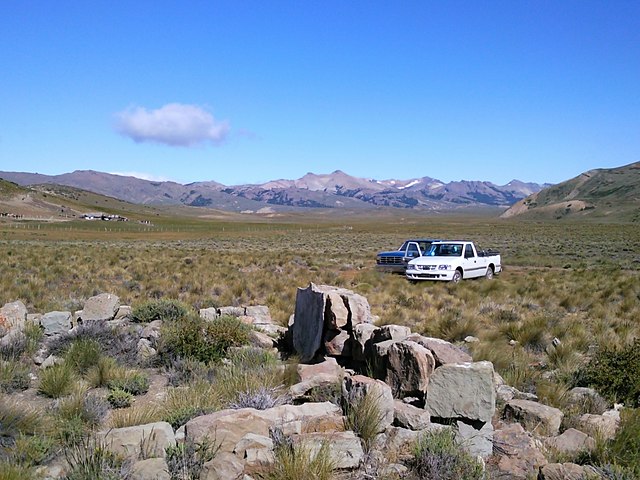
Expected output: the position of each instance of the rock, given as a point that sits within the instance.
(152, 439)
(123, 313)
(377, 356)
(462, 391)
(56, 323)
(400, 441)
(409, 366)
(534, 417)
(605, 426)
(12, 315)
(587, 400)
(329, 366)
(261, 340)
(519, 456)
(260, 314)
(302, 390)
(227, 427)
(344, 447)
(255, 450)
(224, 466)
(390, 332)
(504, 393)
(155, 468)
(337, 313)
(336, 343)
(151, 331)
(315, 313)
(145, 351)
(100, 308)
(443, 351)
(361, 335)
(566, 471)
(208, 314)
(570, 442)
(477, 441)
(231, 311)
(408, 416)
(471, 339)
(355, 388)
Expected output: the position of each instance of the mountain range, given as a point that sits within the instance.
(334, 190)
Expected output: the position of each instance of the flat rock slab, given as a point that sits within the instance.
(534, 417)
(13, 315)
(464, 390)
(101, 307)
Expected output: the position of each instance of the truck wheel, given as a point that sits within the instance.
(489, 274)
(457, 276)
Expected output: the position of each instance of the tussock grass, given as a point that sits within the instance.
(57, 380)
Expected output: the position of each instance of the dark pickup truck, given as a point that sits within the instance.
(396, 260)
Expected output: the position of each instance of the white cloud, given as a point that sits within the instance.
(173, 124)
(144, 176)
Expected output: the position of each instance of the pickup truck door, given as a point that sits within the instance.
(412, 251)
(473, 265)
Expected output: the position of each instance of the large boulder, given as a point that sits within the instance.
(409, 416)
(101, 307)
(463, 391)
(571, 442)
(12, 315)
(56, 323)
(409, 366)
(519, 456)
(151, 439)
(534, 417)
(477, 441)
(345, 448)
(361, 336)
(320, 314)
(155, 468)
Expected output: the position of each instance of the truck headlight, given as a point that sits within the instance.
(444, 267)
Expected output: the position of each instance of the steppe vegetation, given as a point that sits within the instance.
(563, 313)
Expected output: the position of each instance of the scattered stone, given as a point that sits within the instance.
(505, 393)
(344, 447)
(408, 416)
(534, 417)
(224, 466)
(604, 425)
(13, 315)
(152, 439)
(567, 471)
(328, 366)
(571, 441)
(155, 468)
(355, 388)
(477, 441)
(443, 352)
(100, 308)
(519, 456)
(123, 313)
(56, 323)
(361, 336)
(390, 332)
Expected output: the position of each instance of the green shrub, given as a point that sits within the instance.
(624, 449)
(14, 376)
(10, 470)
(615, 373)
(183, 371)
(14, 346)
(83, 354)
(131, 381)
(32, 449)
(364, 416)
(89, 408)
(163, 309)
(90, 459)
(119, 343)
(57, 380)
(103, 372)
(298, 462)
(195, 338)
(185, 460)
(17, 419)
(119, 398)
(438, 456)
(184, 403)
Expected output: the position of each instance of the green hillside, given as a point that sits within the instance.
(602, 194)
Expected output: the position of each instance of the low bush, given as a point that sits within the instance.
(30, 450)
(615, 373)
(297, 462)
(438, 456)
(163, 309)
(57, 380)
(89, 408)
(260, 399)
(131, 381)
(118, 398)
(624, 449)
(91, 460)
(197, 339)
(364, 416)
(103, 372)
(14, 376)
(13, 347)
(184, 403)
(185, 460)
(83, 354)
(17, 419)
(118, 343)
(183, 371)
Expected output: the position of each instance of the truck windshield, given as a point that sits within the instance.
(445, 250)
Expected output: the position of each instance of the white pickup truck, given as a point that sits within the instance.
(452, 261)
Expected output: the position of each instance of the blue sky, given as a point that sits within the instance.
(246, 92)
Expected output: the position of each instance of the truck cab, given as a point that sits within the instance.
(395, 261)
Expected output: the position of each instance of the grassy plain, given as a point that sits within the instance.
(577, 282)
